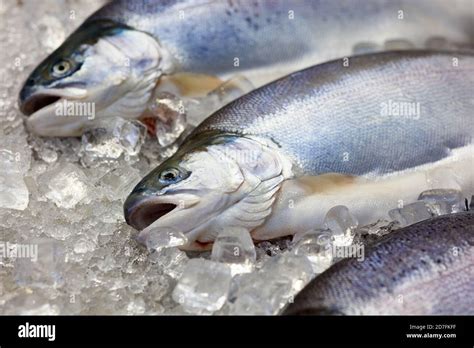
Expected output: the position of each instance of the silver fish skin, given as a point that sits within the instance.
(276, 160)
(129, 49)
(423, 269)
(348, 109)
(206, 36)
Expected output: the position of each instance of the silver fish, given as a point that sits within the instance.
(423, 269)
(128, 49)
(277, 159)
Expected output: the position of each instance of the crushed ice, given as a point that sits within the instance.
(62, 199)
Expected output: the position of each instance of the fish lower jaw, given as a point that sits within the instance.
(64, 118)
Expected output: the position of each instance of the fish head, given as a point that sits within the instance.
(200, 192)
(105, 64)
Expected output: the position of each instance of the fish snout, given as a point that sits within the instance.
(26, 91)
(30, 101)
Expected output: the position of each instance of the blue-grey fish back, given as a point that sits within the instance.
(262, 32)
(333, 118)
(440, 249)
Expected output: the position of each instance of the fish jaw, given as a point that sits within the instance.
(44, 108)
(114, 77)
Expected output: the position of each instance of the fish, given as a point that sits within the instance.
(129, 51)
(277, 159)
(423, 269)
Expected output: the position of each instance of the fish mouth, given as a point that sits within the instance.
(146, 213)
(43, 119)
(162, 213)
(37, 102)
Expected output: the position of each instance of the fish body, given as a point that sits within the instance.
(423, 269)
(277, 37)
(276, 160)
(128, 49)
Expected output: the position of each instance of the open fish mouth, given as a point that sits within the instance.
(46, 107)
(34, 101)
(145, 214)
(142, 214)
(38, 102)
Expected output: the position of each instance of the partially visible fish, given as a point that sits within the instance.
(423, 269)
(277, 159)
(190, 47)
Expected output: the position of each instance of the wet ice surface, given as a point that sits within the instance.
(68, 249)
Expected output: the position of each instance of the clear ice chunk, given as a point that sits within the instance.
(160, 238)
(342, 223)
(267, 291)
(84, 245)
(113, 138)
(316, 245)
(39, 263)
(235, 247)
(13, 190)
(65, 185)
(378, 228)
(119, 182)
(443, 201)
(410, 213)
(171, 260)
(170, 112)
(204, 286)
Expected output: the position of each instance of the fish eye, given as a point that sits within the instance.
(60, 68)
(169, 175)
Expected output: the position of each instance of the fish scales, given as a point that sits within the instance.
(426, 268)
(201, 31)
(341, 110)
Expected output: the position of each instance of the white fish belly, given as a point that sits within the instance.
(301, 207)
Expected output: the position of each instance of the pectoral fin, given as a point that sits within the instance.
(189, 85)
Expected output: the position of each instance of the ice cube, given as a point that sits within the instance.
(316, 245)
(267, 291)
(65, 185)
(119, 182)
(295, 268)
(39, 263)
(249, 301)
(84, 245)
(410, 214)
(160, 238)
(342, 223)
(13, 190)
(379, 228)
(132, 135)
(170, 112)
(203, 287)
(235, 247)
(443, 201)
(171, 260)
(111, 139)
